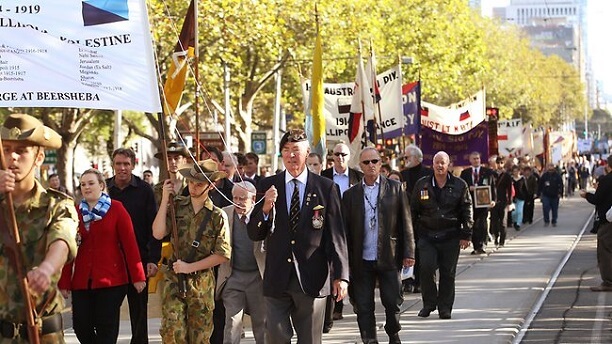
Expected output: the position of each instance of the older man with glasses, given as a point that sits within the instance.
(380, 242)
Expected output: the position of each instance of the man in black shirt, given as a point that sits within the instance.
(602, 199)
(138, 199)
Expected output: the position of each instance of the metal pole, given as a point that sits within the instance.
(196, 48)
(117, 139)
(276, 125)
(226, 91)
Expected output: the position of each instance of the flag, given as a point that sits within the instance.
(177, 73)
(315, 119)
(360, 103)
(371, 68)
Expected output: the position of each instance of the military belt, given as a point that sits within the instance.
(50, 324)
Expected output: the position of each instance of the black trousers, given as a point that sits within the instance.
(498, 227)
(361, 292)
(480, 229)
(441, 256)
(96, 313)
(137, 303)
(528, 208)
(218, 317)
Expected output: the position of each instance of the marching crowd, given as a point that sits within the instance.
(286, 249)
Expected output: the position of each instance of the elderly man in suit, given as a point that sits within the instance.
(478, 175)
(300, 219)
(380, 242)
(240, 283)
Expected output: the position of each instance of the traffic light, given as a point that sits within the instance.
(493, 113)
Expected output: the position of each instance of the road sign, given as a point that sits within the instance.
(259, 141)
(212, 138)
(50, 157)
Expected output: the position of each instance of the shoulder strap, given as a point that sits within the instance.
(196, 241)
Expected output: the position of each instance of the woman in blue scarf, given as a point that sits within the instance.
(107, 260)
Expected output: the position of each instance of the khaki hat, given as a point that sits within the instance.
(204, 171)
(22, 127)
(293, 135)
(174, 148)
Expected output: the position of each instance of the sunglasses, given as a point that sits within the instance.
(340, 154)
(373, 161)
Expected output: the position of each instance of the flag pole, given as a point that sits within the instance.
(362, 90)
(196, 59)
(403, 145)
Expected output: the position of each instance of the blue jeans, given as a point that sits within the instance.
(548, 204)
(517, 214)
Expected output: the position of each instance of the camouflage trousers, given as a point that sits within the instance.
(188, 320)
(51, 338)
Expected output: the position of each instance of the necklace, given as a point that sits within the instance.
(372, 206)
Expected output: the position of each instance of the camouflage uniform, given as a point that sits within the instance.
(47, 216)
(157, 190)
(190, 320)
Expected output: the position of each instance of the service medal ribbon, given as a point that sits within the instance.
(317, 218)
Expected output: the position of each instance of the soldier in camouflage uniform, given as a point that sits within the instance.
(177, 156)
(47, 223)
(189, 320)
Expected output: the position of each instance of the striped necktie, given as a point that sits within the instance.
(294, 208)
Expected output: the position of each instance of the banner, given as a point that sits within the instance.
(458, 147)
(527, 148)
(584, 145)
(337, 106)
(411, 98)
(565, 140)
(538, 142)
(510, 137)
(83, 54)
(456, 118)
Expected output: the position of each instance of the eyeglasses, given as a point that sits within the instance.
(341, 154)
(373, 161)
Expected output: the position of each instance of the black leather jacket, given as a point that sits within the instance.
(448, 217)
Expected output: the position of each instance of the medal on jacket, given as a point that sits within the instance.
(317, 218)
(424, 195)
(78, 239)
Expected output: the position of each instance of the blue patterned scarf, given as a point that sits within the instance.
(97, 213)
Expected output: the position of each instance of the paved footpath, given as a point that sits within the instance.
(532, 291)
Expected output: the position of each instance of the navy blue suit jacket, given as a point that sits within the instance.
(318, 252)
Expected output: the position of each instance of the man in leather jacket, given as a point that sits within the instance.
(442, 208)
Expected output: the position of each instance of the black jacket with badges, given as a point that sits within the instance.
(444, 217)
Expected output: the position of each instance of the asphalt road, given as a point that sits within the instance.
(533, 290)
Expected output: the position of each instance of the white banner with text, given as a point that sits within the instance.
(84, 54)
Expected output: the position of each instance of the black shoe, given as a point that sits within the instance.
(474, 253)
(481, 251)
(444, 314)
(554, 224)
(395, 339)
(546, 224)
(416, 289)
(337, 316)
(517, 226)
(327, 328)
(424, 313)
